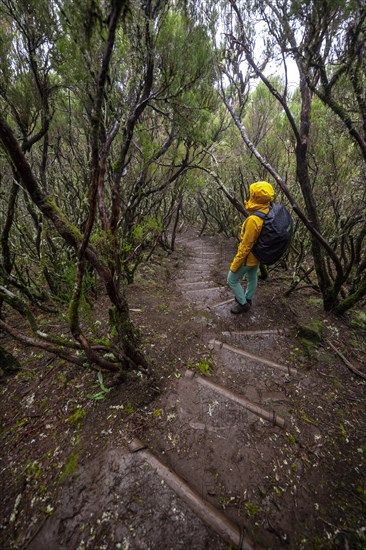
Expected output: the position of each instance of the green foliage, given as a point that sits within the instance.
(343, 432)
(252, 508)
(204, 366)
(315, 301)
(184, 51)
(129, 408)
(104, 390)
(312, 332)
(77, 416)
(291, 438)
(309, 421)
(107, 244)
(186, 65)
(62, 378)
(147, 230)
(359, 319)
(70, 467)
(33, 470)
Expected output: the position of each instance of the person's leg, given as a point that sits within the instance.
(234, 282)
(251, 275)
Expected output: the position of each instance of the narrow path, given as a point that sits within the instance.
(225, 428)
(213, 474)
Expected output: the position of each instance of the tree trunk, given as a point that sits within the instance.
(124, 328)
(311, 210)
(8, 266)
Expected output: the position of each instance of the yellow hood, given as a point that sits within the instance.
(261, 194)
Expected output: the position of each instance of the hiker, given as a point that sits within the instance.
(245, 264)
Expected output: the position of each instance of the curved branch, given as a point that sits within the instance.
(132, 120)
(234, 201)
(283, 186)
(272, 89)
(35, 342)
(328, 100)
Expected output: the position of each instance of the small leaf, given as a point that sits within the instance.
(101, 383)
(97, 396)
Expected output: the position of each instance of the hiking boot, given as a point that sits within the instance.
(248, 301)
(240, 308)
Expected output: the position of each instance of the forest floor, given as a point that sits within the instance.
(70, 481)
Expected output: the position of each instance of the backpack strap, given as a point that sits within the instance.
(259, 214)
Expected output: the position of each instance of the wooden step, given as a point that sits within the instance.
(218, 345)
(227, 529)
(270, 416)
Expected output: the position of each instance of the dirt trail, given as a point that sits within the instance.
(227, 466)
(227, 430)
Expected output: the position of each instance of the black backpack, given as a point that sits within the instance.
(275, 235)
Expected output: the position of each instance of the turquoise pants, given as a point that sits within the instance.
(250, 272)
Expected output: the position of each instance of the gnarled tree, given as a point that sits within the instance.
(100, 105)
(298, 31)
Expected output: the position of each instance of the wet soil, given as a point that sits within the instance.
(69, 480)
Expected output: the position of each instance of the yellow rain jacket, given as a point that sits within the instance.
(261, 194)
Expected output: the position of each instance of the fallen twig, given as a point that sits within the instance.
(347, 363)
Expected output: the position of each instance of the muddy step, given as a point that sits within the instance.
(197, 284)
(199, 262)
(208, 253)
(203, 253)
(214, 518)
(269, 415)
(187, 244)
(250, 358)
(264, 393)
(220, 288)
(205, 257)
(220, 304)
(199, 244)
(222, 310)
(120, 497)
(268, 342)
(205, 296)
(199, 252)
(195, 276)
(237, 337)
(218, 444)
(195, 280)
(191, 281)
(197, 266)
(256, 378)
(204, 270)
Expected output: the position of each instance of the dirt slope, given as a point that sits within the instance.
(293, 479)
